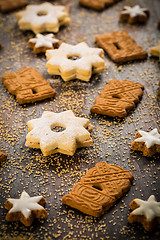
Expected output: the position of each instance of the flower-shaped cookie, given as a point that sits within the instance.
(41, 42)
(25, 209)
(145, 212)
(75, 61)
(58, 132)
(44, 17)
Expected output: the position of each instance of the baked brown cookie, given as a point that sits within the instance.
(25, 209)
(97, 4)
(3, 156)
(99, 189)
(145, 212)
(120, 46)
(11, 5)
(28, 85)
(159, 89)
(117, 98)
(134, 14)
(147, 142)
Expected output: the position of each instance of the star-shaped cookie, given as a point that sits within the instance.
(147, 142)
(25, 209)
(41, 42)
(58, 132)
(145, 212)
(75, 61)
(155, 51)
(43, 17)
(134, 14)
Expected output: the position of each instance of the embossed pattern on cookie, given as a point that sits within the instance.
(145, 212)
(97, 4)
(120, 47)
(99, 189)
(117, 98)
(28, 85)
(11, 5)
(25, 209)
(147, 142)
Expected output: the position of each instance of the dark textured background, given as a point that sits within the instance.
(54, 176)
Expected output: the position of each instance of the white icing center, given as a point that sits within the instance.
(134, 11)
(149, 138)
(25, 204)
(150, 208)
(44, 40)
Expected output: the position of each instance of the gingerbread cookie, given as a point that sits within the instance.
(11, 5)
(44, 17)
(58, 132)
(145, 212)
(25, 209)
(41, 43)
(134, 14)
(120, 47)
(99, 189)
(75, 61)
(3, 156)
(97, 4)
(147, 142)
(155, 51)
(28, 85)
(117, 98)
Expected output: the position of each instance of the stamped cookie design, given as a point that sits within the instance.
(97, 4)
(99, 189)
(134, 14)
(28, 85)
(147, 142)
(145, 212)
(155, 51)
(117, 98)
(120, 46)
(25, 209)
(75, 61)
(11, 5)
(41, 43)
(58, 132)
(3, 156)
(44, 17)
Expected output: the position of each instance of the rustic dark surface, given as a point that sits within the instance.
(54, 176)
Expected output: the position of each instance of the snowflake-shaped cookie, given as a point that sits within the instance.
(43, 17)
(147, 142)
(145, 212)
(134, 14)
(155, 51)
(41, 42)
(75, 61)
(58, 132)
(25, 209)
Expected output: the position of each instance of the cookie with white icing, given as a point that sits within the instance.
(147, 142)
(25, 209)
(145, 212)
(134, 14)
(58, 132)
(42, 43)
(44, 17)
(75, 61)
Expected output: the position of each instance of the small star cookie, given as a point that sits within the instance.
(43, 17)
(147, 142)
(145, 212)
(41, 42)
(155, 51)
(134, 14)
(75, 61)
(58, 132)
(25, 209)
